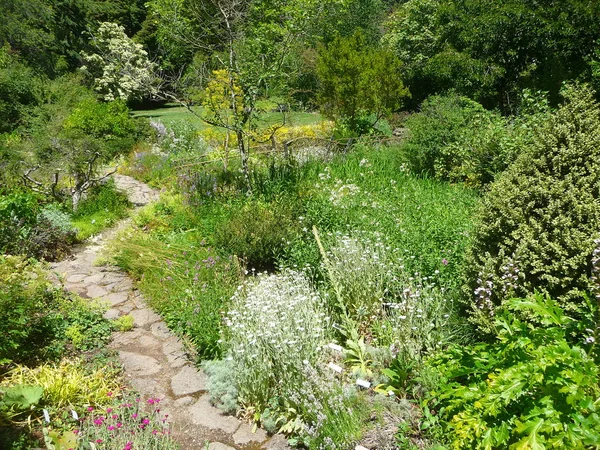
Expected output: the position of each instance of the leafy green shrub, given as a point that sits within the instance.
(530, 388)
(27, 305)
(454, 138)
(108, 121)
(18, 215)
(539, 219)
(257, 232)
(38, 321)
(27, 228)
(20, 89)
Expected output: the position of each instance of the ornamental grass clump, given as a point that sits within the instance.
(276, 326)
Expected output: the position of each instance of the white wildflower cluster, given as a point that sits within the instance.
(420, 318)
(408, 310)
(276, 328)
(341, 191)
(361, 272)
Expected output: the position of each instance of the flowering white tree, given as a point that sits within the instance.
(121, 68)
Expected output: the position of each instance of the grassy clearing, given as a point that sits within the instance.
(171, 114)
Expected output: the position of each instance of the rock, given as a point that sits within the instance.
(188, 381)
(124, 339)
(278, 442)
(93, 279)
(160, 330)
(204, 414)
(143, 317)
(244, 435)
(76, 278)
(173, 350)
(95, 291)
(219, 446)
(148, 341)
(111, 314)
(116, 298)
(183, 401)
(139, 365)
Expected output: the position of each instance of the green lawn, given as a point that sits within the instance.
(172, 113)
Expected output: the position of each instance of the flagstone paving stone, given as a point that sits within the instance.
(154, 359)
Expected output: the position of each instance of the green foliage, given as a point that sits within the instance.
(491, 51)
(68, 384)
(18, 400)
(20, 89)
(109, 122)
(542, 214)
(257, 232)
(454, 138)
(37, 320)
(102, 208)
(357, 80)
(27, 303)
(184, 280)
(530, 388)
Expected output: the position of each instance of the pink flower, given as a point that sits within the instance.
(108, 410)
(128, 446)
(445, 261)
(90, 408)
(75, 431)
(134, 415)
(119, 424)
(110, 427)
(109, 394)
(115, 416)
(145, 421)
(98, 441)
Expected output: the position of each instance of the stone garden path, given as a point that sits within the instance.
(153, 358)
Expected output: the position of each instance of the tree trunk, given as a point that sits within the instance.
(244, 159)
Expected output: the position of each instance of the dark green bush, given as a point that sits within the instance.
(257, 232)
(20, 90)
(456, 139)
(543, 213)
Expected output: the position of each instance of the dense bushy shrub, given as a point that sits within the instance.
(258, 232)
(26, 305)
(19, 90)
(277, 325)
(539, 219)
(530, 388)
(27, 228)
(38, 320)
(454, 138)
